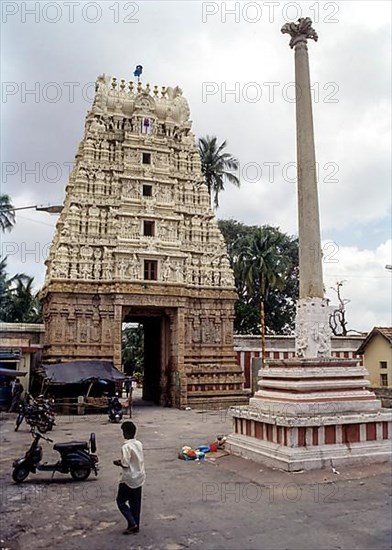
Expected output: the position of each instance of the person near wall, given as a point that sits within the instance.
(127, 386)
(17, 390)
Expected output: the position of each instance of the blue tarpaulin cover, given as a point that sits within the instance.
(76, 372)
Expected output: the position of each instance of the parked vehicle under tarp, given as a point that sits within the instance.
(76, 378)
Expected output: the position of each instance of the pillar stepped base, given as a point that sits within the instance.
(309, 414)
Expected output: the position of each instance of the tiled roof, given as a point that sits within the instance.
(386, 332)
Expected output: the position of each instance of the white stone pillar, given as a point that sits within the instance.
(310, 266)
(362, 432)
(339, 433)
(313, 336)
(309, 436)
(274, 433)
(378, 431)
(321, 435)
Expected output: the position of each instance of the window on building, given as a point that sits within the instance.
(150, 270)
(383, 379)
(147, 190)
(383, 364)
(146, 158)
(148, 229)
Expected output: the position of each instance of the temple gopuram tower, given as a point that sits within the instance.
(137, 241)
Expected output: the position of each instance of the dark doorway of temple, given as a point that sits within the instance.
(149, 357)
(152, 360)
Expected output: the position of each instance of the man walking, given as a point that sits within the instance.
(17, 390)
(132, 477)
(127, 386)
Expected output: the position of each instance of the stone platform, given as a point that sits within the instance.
(310, 414)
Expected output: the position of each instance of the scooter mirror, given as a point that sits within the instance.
(93, 442)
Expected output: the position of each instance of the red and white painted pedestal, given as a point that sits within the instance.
(310, 414)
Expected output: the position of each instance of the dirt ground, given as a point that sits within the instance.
(229, 503)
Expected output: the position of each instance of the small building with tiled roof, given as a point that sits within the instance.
(377, 356)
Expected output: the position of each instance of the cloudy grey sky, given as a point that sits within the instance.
(236, 70)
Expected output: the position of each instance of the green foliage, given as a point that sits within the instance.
(138, 376)
(7, 215)
(4, 297)
(265, 265)
(133, 349)
(217, 166)
(247, 318)
(18, 302)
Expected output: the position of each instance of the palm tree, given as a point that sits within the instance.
(7, 214)
(21, 303)
(217, 166)
(264, 268)
(4, 287)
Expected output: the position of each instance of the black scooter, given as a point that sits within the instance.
(115, 411)
(76, 458)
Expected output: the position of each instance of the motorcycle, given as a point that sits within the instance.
(76, 457)
(38, 414)
(115, 411)
(47, 406)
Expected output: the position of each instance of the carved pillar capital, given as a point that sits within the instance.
(300, 32)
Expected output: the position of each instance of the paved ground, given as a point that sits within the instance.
(227, 504)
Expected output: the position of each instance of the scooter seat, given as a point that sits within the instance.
(71, 445)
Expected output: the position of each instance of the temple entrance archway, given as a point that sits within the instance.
(157, 354)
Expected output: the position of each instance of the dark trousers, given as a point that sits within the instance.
(14, 403)
(129, 502)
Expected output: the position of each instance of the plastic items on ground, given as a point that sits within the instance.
(199, 453)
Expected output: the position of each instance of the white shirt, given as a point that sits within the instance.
(132, 461)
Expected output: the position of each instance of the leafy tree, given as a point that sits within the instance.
(247, 317)
(280, 305)
(133, 349)
(4, 295)
(23, 304)
(217, 166)
(235, 235)
(18, 301)
(278, 288)
(7, 214)
(263, 268)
